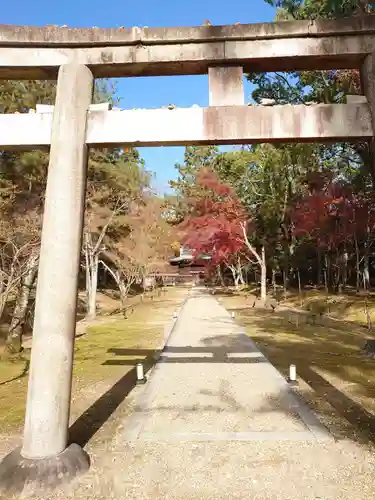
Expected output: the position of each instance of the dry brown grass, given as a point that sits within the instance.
(346, 307)
(92, 375)
(350, 307)
(327, 353)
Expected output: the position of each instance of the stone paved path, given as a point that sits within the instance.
(216, 421)
(212, 383)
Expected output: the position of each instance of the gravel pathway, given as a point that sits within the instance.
(217, 421)
(212, 383)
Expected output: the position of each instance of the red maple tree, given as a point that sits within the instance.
(214, 224)
(218, 225)
(332, 214)
(341, 223)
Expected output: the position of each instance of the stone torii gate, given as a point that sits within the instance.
(76, 57)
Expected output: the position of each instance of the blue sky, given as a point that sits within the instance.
(152, 92)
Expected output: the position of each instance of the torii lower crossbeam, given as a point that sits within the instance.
(213, 125)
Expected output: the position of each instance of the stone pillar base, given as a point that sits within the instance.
(36, 476)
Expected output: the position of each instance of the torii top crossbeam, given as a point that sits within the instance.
(224, 52)
(34, 52)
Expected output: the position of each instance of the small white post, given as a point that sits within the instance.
(233, 315)
(292, 375)
(141, 379)
(175, 315)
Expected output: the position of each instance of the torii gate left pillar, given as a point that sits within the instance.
(45, 459)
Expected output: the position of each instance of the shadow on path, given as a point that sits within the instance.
(190, 354)
(353, 412)
(89, 423)
(333, 348)
(225, 351)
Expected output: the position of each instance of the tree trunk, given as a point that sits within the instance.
(2, 297)
(285, 283)
(261, 260)
(7, 288)
(327, 276)
(319, 267)
(289, 250)
(93, 282)
(235, 275)
(263, 276)
(286, 275)
(237, 282)
(274, 281)
(325, 281)
(366, 262)
(3, 301)
(16, 329)
(240, 274)
(87, 268)
(220, 275)
(123, 292)
(233, 271)
(366, 269)
(368, 314)
(337, 272)
(345, 269)
(299, 287)
(357, 265)
(123, 285)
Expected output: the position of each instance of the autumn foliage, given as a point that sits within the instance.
(214, 224)
(333, 215)
(327, 215)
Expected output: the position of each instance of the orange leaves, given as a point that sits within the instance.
(348, 80)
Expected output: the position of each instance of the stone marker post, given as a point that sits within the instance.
(44, 459)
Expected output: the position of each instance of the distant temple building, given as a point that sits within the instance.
(187, 259)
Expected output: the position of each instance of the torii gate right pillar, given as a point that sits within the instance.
(368, 86)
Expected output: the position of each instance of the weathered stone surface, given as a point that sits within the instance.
(226, 86)
(19, 475)
(230, 125)
(349, 25)
(356, 99)
(23, 131)
(49, 386)
(368, 87)
(214, 125)
(299, 45)
(11, 35)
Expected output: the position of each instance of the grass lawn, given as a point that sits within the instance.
(328, 356)
(143, 330)
(347, 307)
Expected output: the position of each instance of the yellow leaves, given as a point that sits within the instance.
(175, 246)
